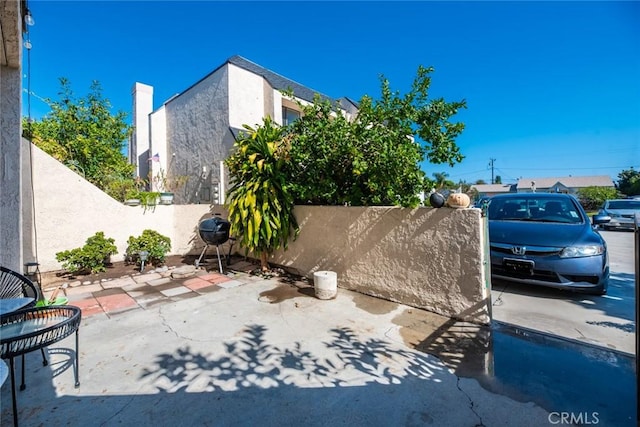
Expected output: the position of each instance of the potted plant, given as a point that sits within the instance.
(132, 197)
(167, 186)
(149, 199)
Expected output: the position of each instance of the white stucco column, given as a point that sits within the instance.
(139, 154)
(11, 253)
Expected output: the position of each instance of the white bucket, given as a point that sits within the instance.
(325, 284)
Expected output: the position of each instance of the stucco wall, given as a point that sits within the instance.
(246, 97)
(432, 259)
(428, 258)
(196, 125)
(142, 95)
(11, 254)
(68, 209)
(158, 145)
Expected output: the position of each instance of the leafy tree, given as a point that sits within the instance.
(481, 182)
(259, 201)
(629, 182)
(592, 198)
(374, 158)
(83, 134)
(498, 179)
(442, 181)
(464, 185)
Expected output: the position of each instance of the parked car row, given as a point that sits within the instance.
(622, 213)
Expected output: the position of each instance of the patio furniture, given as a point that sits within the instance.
(7, 305)
(14, 286)
(34, 328)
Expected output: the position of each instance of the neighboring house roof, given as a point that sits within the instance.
(349, 104)
(276, 80)
(494, 188)
(236, 132)
(567, 181)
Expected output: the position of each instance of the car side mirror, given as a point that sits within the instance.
(600, 219)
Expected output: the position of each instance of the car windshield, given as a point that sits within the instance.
(535, 209)
(624, 204)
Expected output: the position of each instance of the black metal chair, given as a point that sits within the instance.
(15, 285)
(34, 328)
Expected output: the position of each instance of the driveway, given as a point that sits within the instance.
(606, 321)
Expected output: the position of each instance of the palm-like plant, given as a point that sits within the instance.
(259, 201)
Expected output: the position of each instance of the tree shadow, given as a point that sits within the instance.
(252, 362)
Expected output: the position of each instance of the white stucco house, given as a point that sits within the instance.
(193, 132)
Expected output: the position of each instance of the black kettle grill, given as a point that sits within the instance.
(214, 231)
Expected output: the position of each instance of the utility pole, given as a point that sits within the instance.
(491, 165)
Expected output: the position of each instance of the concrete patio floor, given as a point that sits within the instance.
(242, 350)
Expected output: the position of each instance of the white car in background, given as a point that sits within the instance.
(622, 213)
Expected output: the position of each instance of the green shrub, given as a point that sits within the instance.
(592, 198)
(151, 241)
(91, 257)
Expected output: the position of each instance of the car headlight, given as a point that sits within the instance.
(615, 215)
(581, 251)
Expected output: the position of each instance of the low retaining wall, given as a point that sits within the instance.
(428, 258)
(68, 209)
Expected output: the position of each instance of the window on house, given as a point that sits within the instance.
(289, 116)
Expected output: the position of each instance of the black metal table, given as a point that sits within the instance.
(34, 328)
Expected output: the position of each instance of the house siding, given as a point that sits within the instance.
(158, 143)
(246, 97)
(139, 145)
(195, 131)
(197, 123)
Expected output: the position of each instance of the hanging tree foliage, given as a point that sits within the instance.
(373, 158)
(83, 134)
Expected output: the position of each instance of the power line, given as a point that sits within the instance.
(32, 93)
(491, 162)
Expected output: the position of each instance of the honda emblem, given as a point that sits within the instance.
(518, 250)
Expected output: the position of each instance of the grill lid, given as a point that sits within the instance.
(214, 231)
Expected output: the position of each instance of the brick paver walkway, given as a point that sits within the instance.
(146, 290)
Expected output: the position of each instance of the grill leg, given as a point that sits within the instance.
(219, 262)
(201, 255)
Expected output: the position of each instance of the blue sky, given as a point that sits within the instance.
(553, 88)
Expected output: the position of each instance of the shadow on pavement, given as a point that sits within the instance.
(560, 375)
